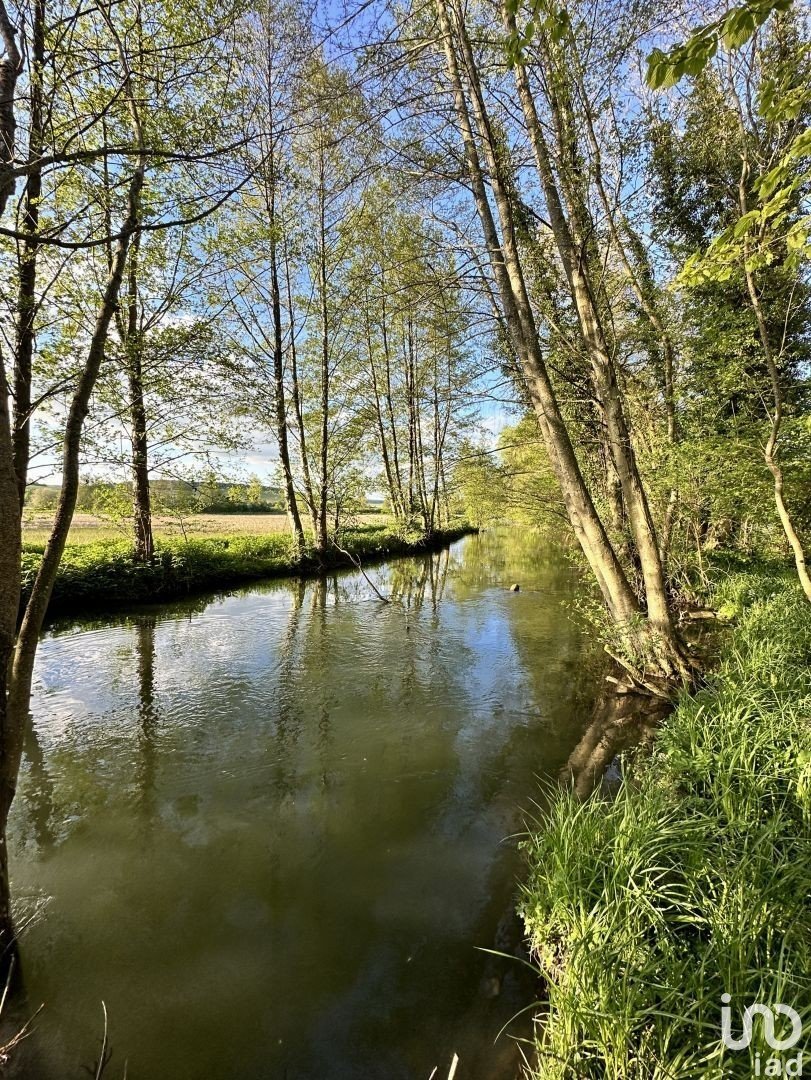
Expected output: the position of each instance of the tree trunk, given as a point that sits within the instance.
(14, 705)
(776, 420)
(666, 643)
(322, 534)
(776, 417)
(295, 393)
(280, 405)
(143, 543)
(519, 320)
(26, 291)
(641, 279)
(10, 548)
(379, 425)
(388, 397)
(10, 68)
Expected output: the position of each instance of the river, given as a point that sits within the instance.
(269, 829)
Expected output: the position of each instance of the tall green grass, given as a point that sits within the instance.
(694, 881)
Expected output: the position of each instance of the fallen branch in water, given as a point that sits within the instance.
(356, 563)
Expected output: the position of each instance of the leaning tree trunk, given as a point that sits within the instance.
(15, 702)
(651, 640)
(776, 421)
(664, 640)
(776, 417)
(641, 279)
(519, 320)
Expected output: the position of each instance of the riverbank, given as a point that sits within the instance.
(104, 573)
(693, 881)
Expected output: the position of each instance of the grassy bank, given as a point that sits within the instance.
(694, 881)
(104, 573)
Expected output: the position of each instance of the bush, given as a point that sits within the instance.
(694, 881)
(232, 507)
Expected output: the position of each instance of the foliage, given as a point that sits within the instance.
(771, 229)
(104, 573)
(693, 881)
(733, 30)
(545, 17)
(478, 482)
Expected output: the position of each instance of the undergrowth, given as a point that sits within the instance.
(694, 881)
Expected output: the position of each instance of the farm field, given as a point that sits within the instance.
(87, 528)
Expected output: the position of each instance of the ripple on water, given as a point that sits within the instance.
(272, 825)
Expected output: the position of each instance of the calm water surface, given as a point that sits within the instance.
(268, 829)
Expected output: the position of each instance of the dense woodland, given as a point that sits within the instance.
(357, 232)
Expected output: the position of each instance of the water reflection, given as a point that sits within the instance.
(620, 721)
(146, 760)
(39, 791)
(272, 824)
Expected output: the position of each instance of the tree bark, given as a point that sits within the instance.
(10, 737)
(10, 68)
(26, 292)
(14, 707)
(280, 404)
(775, 424)
(295, 393)
(322, 535)
(143, 543)
(589, 530)
(641, 280)
(668, 647)
(379, 425)
(388, 397)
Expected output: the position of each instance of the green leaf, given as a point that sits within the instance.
(744, 224)
(690, 58)
(738, 27)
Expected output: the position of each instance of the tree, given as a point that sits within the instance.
(649, 628)
(759, 249)
(480, 484)
(105, 104)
